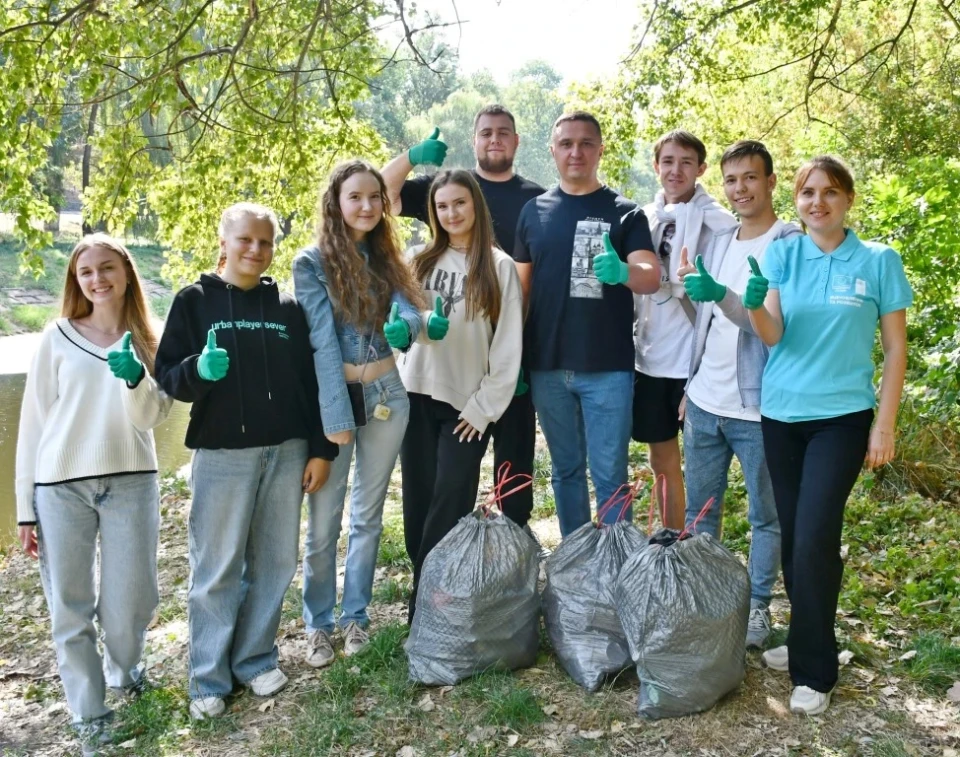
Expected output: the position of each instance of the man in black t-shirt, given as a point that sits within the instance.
(581, 251)
(495, 142)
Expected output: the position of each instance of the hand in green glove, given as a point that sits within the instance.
(214, 361)
(701, 286)
(396, 330)
(124, 363)
(430, 151)
(608, 267)
(522, 386)
(757, 286)
(437, 325)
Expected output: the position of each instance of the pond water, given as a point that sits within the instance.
(16, 352)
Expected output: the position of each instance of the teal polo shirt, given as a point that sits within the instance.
(831, 303)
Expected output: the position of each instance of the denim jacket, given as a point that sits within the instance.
(334, 342)
(752, 353)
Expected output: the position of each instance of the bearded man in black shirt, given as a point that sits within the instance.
(495, 142)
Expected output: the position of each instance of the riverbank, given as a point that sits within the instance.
(892, 700)
(28, 304)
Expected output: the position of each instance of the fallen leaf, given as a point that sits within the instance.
(953, 693)
(128, 744)
(426, 703)
(616, 726)
(908, 655)
(888, 691)
(844, 657)
(550, 709)
(512, 739)
(791, 742)
(268, 705)
(408, 751)
(355, 670)
(590, 735)
(444, 690)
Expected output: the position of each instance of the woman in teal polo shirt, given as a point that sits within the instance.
(827, 292)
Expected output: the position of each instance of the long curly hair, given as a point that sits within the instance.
(482, 288)
(361, 289)
(137, 318)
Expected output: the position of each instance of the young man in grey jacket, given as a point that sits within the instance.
(722, 402)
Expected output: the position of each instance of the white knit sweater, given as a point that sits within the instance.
(78, 420)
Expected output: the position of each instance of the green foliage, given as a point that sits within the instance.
(936, 665)
(182, 110)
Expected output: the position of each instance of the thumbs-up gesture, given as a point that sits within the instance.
(701, 286)
(430, 151)
(396, 330)
(685, 269)
(437, 324)
(124, 363)
(608, 267)
(214, 361)
(757, 286)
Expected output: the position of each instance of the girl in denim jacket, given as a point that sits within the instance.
(348, 286)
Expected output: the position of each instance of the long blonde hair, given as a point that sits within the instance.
(361, 289)
(136, 316)
(482, 288)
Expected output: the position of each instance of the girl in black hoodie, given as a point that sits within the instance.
(239, 350)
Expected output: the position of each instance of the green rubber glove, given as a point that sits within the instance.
(437, 325)
(608, 267)
(214, 361)
(757, 286)
(124, 363)
(522, 386)
(396, 330)
(701, 286)
(430, 151)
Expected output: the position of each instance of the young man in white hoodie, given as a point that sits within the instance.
(682, 215)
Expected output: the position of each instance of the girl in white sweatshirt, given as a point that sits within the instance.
(87, 467)
(460, 382)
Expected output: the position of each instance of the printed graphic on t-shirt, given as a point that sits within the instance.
(846, 290)
(449, 285)
(587, 244)
(665, 293)
(243, 323)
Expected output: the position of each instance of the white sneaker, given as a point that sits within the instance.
(776, 659)
(319, 650)
(268, 683)
(355, 638)
(758, 626)
(207, 707)
(806, 701)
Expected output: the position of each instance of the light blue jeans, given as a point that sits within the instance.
(709, 444)
(244, 531)
(377, 445)
(124, 510)
(585, 417)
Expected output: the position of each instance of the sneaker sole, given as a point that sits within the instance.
(269, 692)
(778, 668)
(321, 663)
(204, 715)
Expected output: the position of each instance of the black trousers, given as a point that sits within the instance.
(441, 476)
(813, 466)
(514, 438)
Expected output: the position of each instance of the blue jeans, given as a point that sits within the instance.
(377, 445)
(584, 417)
(125, 511)
(709, 444)
(244, 529)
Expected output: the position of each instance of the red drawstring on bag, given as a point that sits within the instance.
(693, 526)
(624, 496)
(497, 494)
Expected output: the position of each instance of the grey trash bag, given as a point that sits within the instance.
(477, 604)
(579, 602)
(684, 604)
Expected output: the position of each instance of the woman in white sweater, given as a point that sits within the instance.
(458, 383)
(87, 466)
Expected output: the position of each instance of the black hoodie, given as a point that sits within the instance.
(269, 394)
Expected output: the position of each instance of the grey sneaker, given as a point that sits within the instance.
(758, 625)
(542, 552)
(355, 638)
(94, 735)
(320, 650)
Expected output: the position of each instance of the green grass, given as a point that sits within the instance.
(888, 747)
(393, 551)
(392, 590)
(502, 699)
(937, 663)
(34, 317)
(153, 720)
